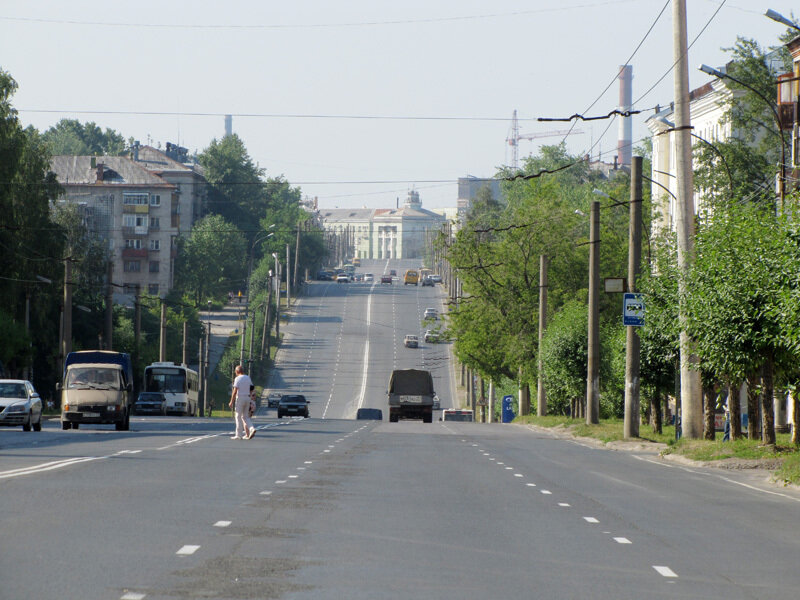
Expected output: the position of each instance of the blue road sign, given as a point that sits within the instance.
(633, 310)
(508, 409)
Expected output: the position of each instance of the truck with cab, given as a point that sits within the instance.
(97, 388)
(411, 395)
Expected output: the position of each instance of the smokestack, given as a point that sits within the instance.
(228, 125)
(625, 134)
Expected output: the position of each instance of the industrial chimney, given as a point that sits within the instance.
(228, 125)
(624, 137)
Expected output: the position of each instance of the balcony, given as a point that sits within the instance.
(134, 253)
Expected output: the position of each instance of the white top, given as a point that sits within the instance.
(242, 384)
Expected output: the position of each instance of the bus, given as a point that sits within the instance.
(178, 383)
(411, 277)
(356, 262)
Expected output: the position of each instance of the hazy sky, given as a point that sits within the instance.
(291, 71)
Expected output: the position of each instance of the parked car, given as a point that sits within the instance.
(273, 399)
(369, 413)
(431, 313)
(150, 403)
(431, 336)
(293, 404)
(368, 278)
(411, 341)
(386, 279)
(20, 405)
(436, 278)
(427, 281)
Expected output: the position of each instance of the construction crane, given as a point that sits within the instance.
(516, 136)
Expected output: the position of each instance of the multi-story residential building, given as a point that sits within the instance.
(132, 210)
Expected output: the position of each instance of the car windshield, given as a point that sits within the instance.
(150, 397)
(94, 378)
(293, 399)
(12, 390)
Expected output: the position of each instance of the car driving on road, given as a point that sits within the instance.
(293, 404)
(151, 403)
(431, 313)
(273, 399)
(411, 341)
(20, 405)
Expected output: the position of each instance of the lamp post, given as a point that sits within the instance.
(782, 171)
(257, 239)
(776, 16)
(277, 296)
(206, 365)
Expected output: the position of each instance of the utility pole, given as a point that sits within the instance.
(241, 342)
(296, 254)
(288, 272)
(162, 346)
(541, 397)
(66, 329)
(691, 390)
(137, 331)
(206, 366)
(265, 337)
(593, 358)
(491, 401)
(185, 353)
(109, 321)
(201, 372)
(632, 344)
(277, 298)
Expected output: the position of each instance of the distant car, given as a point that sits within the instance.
(323, 276)
(368, 278)
(273, 399)
(369, 413)
(293, 404)
(431, 336)
(150, 403)
(456, 414)
(427, 281)
(393, 273)
(431, 313)
(436, 278)
(411, 341)
(342, 278)
(386, 279)
(358, 277)
(20, 404)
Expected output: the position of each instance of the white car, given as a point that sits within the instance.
(431, 313)
(411, 341)
(369, 278)
(20, 404)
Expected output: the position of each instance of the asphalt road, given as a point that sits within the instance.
(330, 508)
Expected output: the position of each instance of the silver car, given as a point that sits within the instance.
(20, 404)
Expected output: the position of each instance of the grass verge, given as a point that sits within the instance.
(610, 430)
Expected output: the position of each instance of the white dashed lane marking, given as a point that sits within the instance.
(590, 520)
(187, 550)
(132, 596)
(665, 571)
(222, 524)
(622, 540)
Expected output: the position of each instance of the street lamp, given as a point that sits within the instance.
(670, 127)
(205, 362)
(277, 296)
(776, 16)
(257, 239)
(720, 75)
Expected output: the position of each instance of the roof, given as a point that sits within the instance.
(346, 214)
(116, 170)
(156, 160)
(407, 212)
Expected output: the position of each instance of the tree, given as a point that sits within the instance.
(70, 136)
(210, 260)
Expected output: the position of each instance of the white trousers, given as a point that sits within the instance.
(242, 416)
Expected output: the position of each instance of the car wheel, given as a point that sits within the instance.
(66, 425)
(38, 425)
(76, 425)
(280, 415)
(27, 426)
(392, 418)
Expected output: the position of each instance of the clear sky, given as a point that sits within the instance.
(291, 72)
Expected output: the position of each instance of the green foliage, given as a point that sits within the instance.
(564, 357)
(211, 260)
(70, 136)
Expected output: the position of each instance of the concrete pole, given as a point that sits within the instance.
(109, 320)
(541, 397)
(593, 358)
(201, 375)
(296, 254)
(241, 341)
(184, 346)
(66, 330)
(491, 401)
(206, 367)
(632, 344)
(277, 299)
(691, 390)
(288, 272)
(162, 346)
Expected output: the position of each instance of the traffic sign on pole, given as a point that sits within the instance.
(633, 310)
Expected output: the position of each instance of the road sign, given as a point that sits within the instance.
(508, 409)
(633, 310)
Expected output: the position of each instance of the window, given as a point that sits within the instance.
(130, 288)
(134, 220)
(155, 223)
(155, 245)
(132, 266)
(152, 289)
(135, 244)
(155, 200)
(154, 266)
(135, 199)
